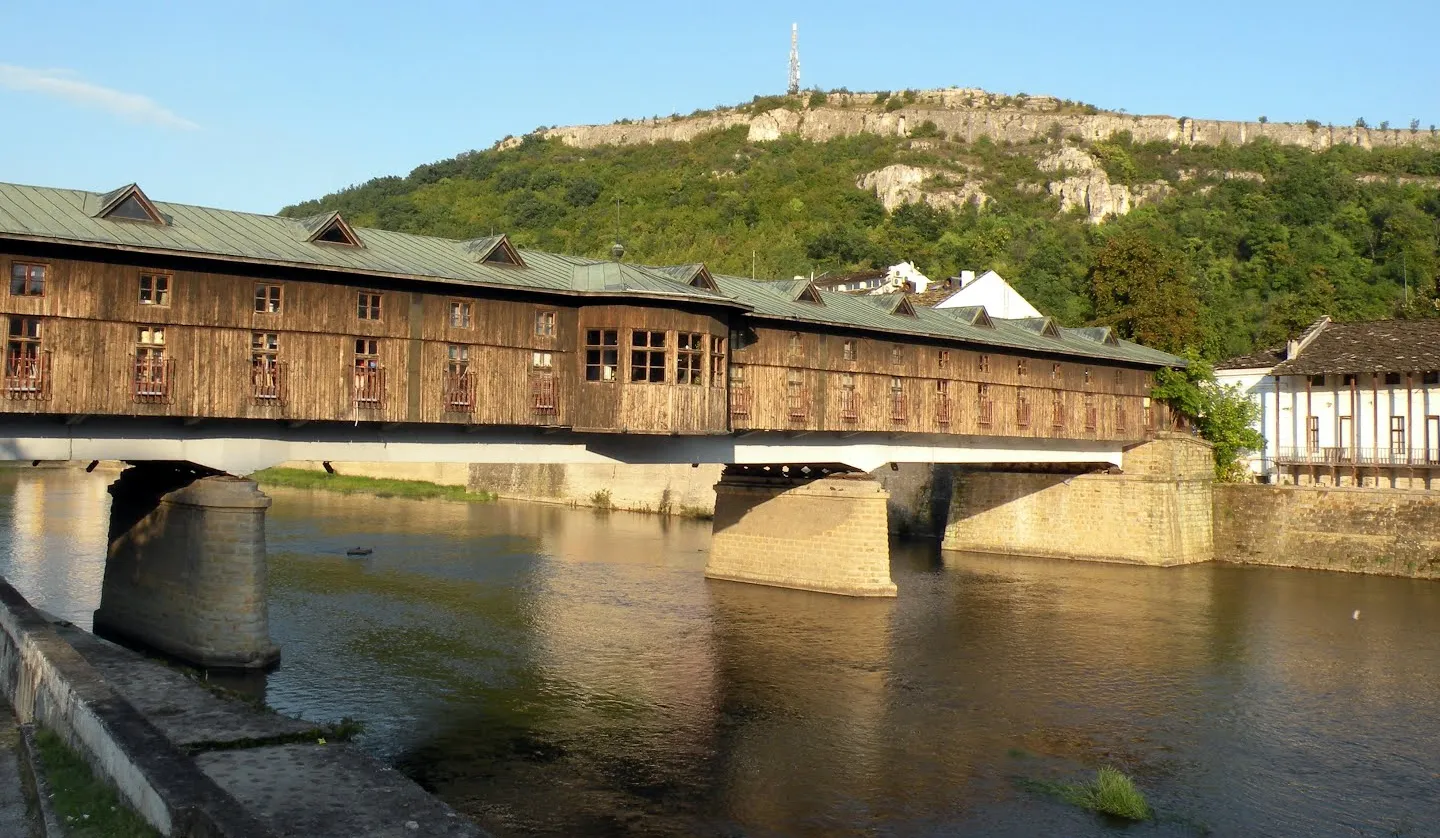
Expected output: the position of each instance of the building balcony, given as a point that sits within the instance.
(152, 380)
(369, 387)
(458, 392)
(268, 382)
(1398, 456)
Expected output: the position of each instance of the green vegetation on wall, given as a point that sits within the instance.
(1252, 243)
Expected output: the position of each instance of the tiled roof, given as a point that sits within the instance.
(1264, 358)
(1371, 346)
(70, 216)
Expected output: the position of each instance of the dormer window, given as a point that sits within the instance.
(330, 228)
(128, 203)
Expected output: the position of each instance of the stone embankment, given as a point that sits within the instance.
(194, 763)
(968, 114)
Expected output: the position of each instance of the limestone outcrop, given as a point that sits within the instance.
(969, 114)
(897, 185)
(1084, 184)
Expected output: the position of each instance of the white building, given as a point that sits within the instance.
(991, 291)
(1347, 404)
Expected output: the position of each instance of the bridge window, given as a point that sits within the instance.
(1021, 368)
(1087, 376)
(459, 387)
(265, 378)
(152, 368)
(1390, 378)
(1092, 417)
(369, 375)
(1397, 434)
(797, 397)
(717, 362)
(896, 355)
(848, 350)
(984, 363)
(1057, 410)
(267, 299)
(942, 402)
(985, 409)
(154, 289)
(1054, 372)
(1119, 377)
(689, 358)
(1022, 408)
(27, 280)
(795, 346)
(898, 407)
(25, 361)
(602, 354)
(849, 399)
(542, 362)
(942, 358)
(460, 312)
(545, 324)
(1430, 378)
(368, 306)
(647, 357)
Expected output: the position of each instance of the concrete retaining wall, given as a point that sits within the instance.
(48, 682)
(667, 489)
(444, 474)
(1393, 532)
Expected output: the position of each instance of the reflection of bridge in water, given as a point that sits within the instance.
(200, 344)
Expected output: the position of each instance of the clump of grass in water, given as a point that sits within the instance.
(1111, 793)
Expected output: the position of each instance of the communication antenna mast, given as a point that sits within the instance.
(794, 59)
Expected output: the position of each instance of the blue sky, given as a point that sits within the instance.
(256, 105)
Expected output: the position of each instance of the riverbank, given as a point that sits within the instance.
(380, 487)
(193, 761)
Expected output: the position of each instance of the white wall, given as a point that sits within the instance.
(1369, 409)
(993, 292)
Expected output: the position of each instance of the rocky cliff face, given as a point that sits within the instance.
(1082, 183)
(969, 114)
(899, 184)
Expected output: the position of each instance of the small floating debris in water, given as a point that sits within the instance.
(359, 551)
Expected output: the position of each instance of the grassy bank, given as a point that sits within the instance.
(299, 478)
(85, 804)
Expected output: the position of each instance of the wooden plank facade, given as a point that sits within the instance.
(108, 333)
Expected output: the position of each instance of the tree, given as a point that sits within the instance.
(1223, 416)
(1141, 289)
(1264, 119)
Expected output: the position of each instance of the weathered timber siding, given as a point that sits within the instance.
(1391, 532)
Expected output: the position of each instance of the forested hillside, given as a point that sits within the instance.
(1233, 247)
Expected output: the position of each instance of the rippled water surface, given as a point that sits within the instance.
(557, 672)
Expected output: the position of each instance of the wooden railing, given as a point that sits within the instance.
(942, 408)
(369, 384)
(797, 402)
(542, 395)
(268, 381)
(458, 392)
(849, 406)
(899, 407)
(1346, 456)
(151, 380)
(740, 400)
(28, 378)
(1022, 411)
(985, 410)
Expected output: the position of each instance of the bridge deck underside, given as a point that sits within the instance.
(241, 448)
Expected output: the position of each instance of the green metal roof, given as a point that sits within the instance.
(73, 216)
(775, 300)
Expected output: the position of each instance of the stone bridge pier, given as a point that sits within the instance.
(185, 569)
(812, 528)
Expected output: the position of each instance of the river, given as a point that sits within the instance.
(551, 671)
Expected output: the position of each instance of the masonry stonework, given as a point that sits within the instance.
(185, 572)
(825, 535)
(1156, 512)
(1391, 532)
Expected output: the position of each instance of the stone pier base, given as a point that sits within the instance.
(1157, 511)
(185, 572)
(826, 535)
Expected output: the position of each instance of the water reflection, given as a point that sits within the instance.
(557, 672)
